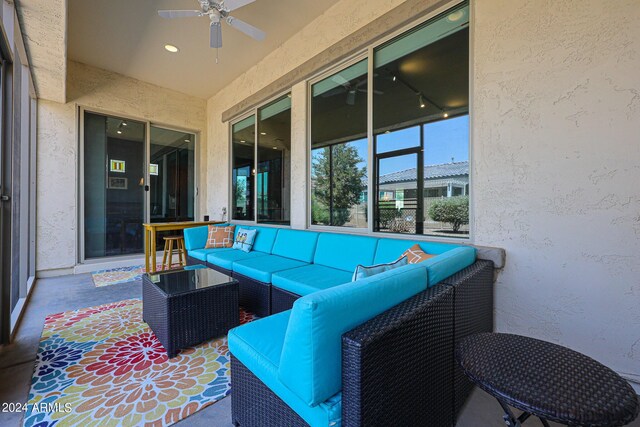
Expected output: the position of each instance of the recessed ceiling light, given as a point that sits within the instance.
(124, 123)
(456, 16)
(263, 133)
(187, 140)
(119, 132)
(242, 141)
(171, 48)
(275, 148)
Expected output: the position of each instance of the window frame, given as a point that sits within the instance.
(253, 111)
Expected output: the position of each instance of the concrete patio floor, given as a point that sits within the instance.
(54, 295)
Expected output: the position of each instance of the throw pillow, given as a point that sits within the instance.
(244, 239)
(362, 271)
(220, 236)
(415, 254)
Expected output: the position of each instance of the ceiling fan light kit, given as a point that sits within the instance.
(218, 11)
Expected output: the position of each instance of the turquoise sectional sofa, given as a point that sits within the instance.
(329, 351)
(286, 264)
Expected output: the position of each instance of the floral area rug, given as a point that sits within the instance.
(103, 366)
(116, 276)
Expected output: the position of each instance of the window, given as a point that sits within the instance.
(242, 169)
(274, 162)
(339, 148)
(421, 128)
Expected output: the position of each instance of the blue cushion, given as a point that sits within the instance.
(262, 267)
(244, 239)
(227, 258)
(310, 364)
(444, 265)
(295, 244)
(308, 279)
(202, 254)
(258, 346)
(344, 252)
(195, 237)
(363, 271)
(265, 238)
(390, 250)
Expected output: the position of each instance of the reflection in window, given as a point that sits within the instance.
(421, 129)
(274, 162)
(243, 156)
(339, 148)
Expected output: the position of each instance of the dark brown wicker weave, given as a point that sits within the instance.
(398, 368)
(547, 380)
(281, 300)
(255, 296)
(189, 318)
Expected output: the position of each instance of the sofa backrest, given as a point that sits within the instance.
(295, 244)
(448, 263)
(389, 250)
(264, 239)
(310, 364)
(344, 251)
(195, 237)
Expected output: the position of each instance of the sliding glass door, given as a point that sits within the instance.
(122, 189)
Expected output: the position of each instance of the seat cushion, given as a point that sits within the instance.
(310, 364)
(258, 346)
(344, 251)
(261, 268)
(225, 259)
(202, 254)
(309, 279)
(389, 250)
(295, 244)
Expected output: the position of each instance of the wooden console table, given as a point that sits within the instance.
(150, 231)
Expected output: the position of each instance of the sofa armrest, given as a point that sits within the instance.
(397, 368)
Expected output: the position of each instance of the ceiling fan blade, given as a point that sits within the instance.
(248, 29)
(171, 14)
(216, 35)
(236, 4)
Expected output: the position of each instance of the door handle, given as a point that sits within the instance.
(5, 198)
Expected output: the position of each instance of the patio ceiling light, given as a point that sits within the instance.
(421, 101)
(171, 48)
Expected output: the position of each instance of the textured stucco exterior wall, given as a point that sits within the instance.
(58, 147)
(342, 19)
(556, 167)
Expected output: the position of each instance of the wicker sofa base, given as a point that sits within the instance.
(254, 296)
(397, 368)
(253, 404)
(281, 300)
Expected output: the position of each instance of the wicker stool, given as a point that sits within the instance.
(168, 251)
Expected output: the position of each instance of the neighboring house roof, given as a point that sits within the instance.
(430, 172)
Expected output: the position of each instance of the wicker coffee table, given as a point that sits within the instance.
(546, 380)
(188, 306)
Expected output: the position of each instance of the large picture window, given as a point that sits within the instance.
(421, 129)
(339, 148)
(243, 169)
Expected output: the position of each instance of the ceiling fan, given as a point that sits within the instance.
(351, 88)
(218, 11)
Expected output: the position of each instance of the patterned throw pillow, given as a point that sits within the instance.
(220, 236)
(244, 239)
(415, 254)
(363, 272)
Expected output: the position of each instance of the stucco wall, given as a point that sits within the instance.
(555, 160)
(57, 216)
(556, 167)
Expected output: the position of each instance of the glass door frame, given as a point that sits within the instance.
(147, 156)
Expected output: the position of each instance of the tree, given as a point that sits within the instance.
(454, 210)
(346, 184)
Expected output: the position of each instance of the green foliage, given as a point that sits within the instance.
(454, 210)
(347, 183)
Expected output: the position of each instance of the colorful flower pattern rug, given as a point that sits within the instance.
(116, 276)
(103, 366)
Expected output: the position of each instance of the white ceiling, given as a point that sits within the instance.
(128, 37)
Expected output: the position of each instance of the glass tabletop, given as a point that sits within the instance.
(188, 279)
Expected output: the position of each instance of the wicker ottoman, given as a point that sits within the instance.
(189, 306)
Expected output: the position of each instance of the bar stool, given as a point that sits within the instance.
(169, 249)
